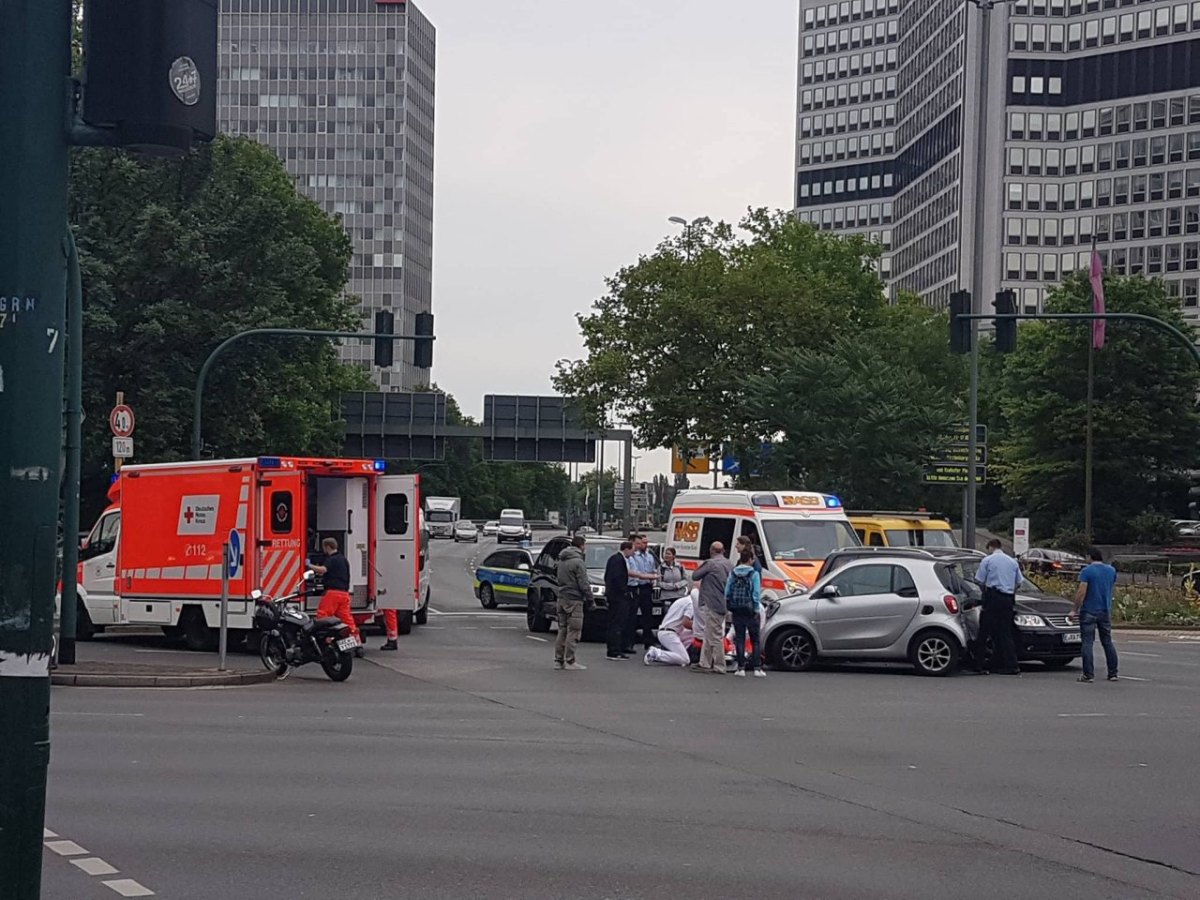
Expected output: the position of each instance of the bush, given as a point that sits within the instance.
(1151, 528)
(1139, 604)
(1071, 541)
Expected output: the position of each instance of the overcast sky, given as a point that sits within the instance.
(567, 133)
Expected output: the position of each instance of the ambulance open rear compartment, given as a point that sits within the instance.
(274, 512)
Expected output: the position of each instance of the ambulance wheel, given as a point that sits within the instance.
(197, 636)
(487, 596)
(84, 629)
(405, 623)
(422, 616)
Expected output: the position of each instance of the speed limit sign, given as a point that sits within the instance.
(121, 421)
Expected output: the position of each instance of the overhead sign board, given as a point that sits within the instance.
(527, 428)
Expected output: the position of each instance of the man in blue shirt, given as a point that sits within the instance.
(643, 572)
(999, 575)
(1093, 605)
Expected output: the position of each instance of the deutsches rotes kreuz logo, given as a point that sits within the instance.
(198, 514)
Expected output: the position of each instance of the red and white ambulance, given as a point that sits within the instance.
(154, 556)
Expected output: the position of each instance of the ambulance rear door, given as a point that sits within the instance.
(280, 539)
(397, 543)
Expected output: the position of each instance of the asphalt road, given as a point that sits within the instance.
(465, 767)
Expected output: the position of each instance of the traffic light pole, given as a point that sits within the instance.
(35, 63)
(197, 408)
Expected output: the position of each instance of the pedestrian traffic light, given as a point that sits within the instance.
(960, 328)
(1006, 329)
(385, 352)
(423, 346)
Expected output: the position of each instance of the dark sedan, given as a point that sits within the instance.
(1040, 561)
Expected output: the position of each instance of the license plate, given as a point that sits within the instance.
(347, 643)
(1073, 638)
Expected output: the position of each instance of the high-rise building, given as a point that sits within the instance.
(1092, 133)
(343, 92)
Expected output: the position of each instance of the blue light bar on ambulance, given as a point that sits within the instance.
(381, 465)
(270, 462)
(832, 503)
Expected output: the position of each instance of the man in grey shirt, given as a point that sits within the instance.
(712, 577)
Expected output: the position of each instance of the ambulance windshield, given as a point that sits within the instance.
(797, 539)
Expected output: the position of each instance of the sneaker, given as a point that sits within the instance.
(646, 660)
(740, 673)
(558, 664)
(616, 658)
(390, 645)
(1113, 677)
(759, 673)
(1085, 679)
(575, 667)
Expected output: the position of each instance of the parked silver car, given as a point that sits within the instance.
(886, 609)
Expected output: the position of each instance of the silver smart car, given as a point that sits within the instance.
(884, 609)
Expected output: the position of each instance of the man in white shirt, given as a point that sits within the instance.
(675, 634)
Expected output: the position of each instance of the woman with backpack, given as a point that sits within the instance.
(743, 595)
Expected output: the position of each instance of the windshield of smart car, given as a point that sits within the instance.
(969, 569)
(790, 539)
(917, 537)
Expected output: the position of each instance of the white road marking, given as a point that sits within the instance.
(47, 833)
(534, 637)
(1131, 678)
(66, 848)
(94, 865)
(505, 627)
(480, 615)
(1134, 653)
(435, 612)
(103, 715)
(1082, 715)
(127, 887)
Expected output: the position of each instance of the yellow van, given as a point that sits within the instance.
(902, 529)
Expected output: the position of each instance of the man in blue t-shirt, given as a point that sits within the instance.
(1093, 605)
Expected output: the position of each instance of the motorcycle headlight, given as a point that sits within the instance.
(1021, 620)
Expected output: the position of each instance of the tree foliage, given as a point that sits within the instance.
(861, 415)
(672, 342)
(179, 255)
(1147, 423)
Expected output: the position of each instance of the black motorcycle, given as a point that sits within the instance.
(290, 638)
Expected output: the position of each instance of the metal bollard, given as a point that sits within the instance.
(224, 638)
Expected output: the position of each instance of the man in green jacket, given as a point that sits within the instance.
(574, 591)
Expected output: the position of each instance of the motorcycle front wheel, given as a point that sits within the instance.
(273, 654)
(337, 663)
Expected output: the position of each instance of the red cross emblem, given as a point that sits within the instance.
(188, 515)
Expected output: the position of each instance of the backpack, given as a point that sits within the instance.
(741, 592)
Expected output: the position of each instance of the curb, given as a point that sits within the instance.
(217, 679)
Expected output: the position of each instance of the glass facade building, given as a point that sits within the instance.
(1093, 134)
(343, 92)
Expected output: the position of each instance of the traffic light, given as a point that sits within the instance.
(423, 345)
(960, 328)
(385, 352)
(1006, 329)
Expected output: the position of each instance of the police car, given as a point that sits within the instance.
(503, 577)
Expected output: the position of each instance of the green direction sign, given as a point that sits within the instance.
(952, 473)
(961, 435)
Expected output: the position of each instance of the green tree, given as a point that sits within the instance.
(177, 256)
(673, 341)
(1147, 424)
(861, 415)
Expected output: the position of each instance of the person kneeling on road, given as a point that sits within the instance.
(336, 600)
(574, 591)
(743, 596)
(675, 634)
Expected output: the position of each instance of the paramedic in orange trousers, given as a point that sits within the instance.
(336, 600)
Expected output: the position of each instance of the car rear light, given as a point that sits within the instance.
(951, 604)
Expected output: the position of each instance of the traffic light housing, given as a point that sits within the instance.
(385, 348)
(960, 328)
(1006, 329)
(423, 345)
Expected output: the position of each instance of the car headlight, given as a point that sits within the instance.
(772, 607)
(793, 587)
(1022, 620)
(597, 590)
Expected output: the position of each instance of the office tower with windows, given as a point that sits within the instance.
(343, 92)
(1093, 132)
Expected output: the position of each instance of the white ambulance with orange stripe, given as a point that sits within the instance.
(154, 556)
(793, 531)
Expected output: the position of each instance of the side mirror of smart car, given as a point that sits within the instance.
(829, 592)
